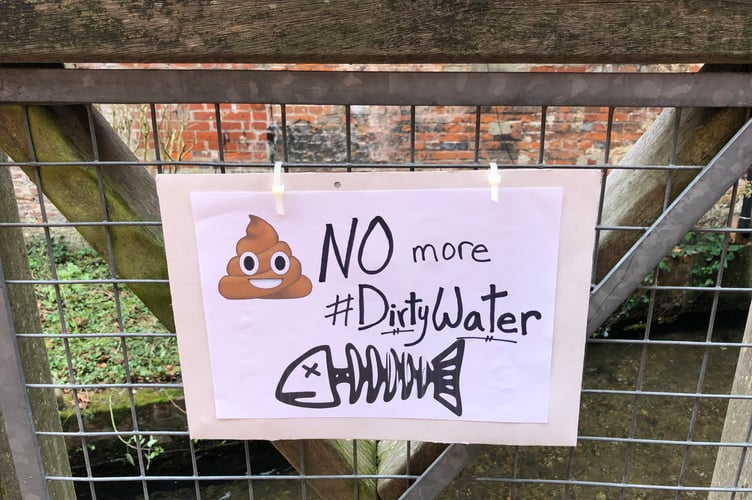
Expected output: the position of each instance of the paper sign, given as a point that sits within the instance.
(387, 307)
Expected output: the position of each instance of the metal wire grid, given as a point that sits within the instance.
(498, 471)
(622, 485)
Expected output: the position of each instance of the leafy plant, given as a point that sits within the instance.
(150, 448)
(704, 251)
(85, 306)
(694, 261)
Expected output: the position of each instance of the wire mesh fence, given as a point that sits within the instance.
(658, 371)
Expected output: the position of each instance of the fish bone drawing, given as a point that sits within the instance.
(311, 380)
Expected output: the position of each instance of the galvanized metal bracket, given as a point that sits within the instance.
(697, 198)
(443, 470)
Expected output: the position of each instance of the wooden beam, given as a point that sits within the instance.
(61, 133)
(321, 457)
(733, 466)
(635, 197)
(33, 357)
(396, 459)
(373, 31)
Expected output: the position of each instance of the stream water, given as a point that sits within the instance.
(666, 368)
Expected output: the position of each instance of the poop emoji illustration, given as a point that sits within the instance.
(264, 267)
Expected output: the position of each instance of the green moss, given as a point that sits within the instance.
(60, 134)
(100, 403)
(367, 462)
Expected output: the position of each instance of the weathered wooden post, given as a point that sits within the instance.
(733, 466)
(62, 134)
(33, 356)
(635, 197)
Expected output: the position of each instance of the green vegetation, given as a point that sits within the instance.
(704, 251)
(86, 307)
(150, 447)
(694, 261)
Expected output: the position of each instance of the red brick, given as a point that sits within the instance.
(206, 136)
(581, 68)
(318, 110)
(451, 155)
(239, 116)
(201, 125)
(234, 126)
(235, 156)
(620, 116)
(297, 110)
(199, 116)
(457, 138)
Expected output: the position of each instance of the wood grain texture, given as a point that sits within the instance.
(733, 466)
(61, 133)
(635, 197)
(333, 457)
(371, 31)
(393, 461)
(33, 355)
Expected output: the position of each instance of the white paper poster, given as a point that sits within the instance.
(418, 303)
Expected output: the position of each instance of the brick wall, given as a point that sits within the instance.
(252, 133)
(443, 134)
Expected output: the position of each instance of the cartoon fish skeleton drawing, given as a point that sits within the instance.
(311, 380)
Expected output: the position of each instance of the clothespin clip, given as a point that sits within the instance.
(278, 190)
(494, 179)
